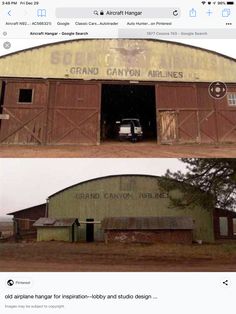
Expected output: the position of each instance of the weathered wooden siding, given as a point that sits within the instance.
(231, 217)
(168, 129)
(27, 121)
(24, 219)
(74, 113)
(68, 112)
(187, 113)
(124, 196)
(61, 112)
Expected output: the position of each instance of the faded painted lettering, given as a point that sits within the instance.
(84, 70)
(165, 74)
(153, 195)
(120, 196)
(123, 72)
(85, 196)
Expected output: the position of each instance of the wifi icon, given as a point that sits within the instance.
(203, 2)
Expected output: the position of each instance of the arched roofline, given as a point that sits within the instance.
(106, 177)
(135, 39)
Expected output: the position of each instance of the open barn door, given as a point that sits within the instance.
(167, 126)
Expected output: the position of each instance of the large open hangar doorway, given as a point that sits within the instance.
(123, 101)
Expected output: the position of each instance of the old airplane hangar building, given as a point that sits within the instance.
(73, 92)
(120, 207)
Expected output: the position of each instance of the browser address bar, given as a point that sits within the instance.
(77, 12)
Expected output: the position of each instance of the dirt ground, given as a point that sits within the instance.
(59, 256)
(121, 150)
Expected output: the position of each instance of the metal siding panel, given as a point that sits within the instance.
(72, 203)
(147, 223)
(49, 234)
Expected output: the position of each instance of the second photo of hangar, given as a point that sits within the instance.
(123, 208)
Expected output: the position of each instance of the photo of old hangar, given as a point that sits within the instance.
(75, 92)
(123, 208)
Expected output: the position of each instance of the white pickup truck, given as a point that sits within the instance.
(125, 130)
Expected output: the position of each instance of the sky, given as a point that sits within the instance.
(223, 46)
(25, 182)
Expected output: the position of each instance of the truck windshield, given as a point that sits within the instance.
(128, 121)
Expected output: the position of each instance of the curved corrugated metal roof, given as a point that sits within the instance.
(106, 177)
(120, 59)
(131, 39)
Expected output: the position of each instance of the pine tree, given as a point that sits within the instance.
(207, 182)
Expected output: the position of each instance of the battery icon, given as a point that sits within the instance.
(230, 3)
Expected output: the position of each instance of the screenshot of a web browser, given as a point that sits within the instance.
(127, 79)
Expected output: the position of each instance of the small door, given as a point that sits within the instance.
(90, 230)
(234, 227)
(168, 126)
(223, 226)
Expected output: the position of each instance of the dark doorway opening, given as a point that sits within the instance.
(128, 101)
(73, 233)
(2, 93)
(89, 230)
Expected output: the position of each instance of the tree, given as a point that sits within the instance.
(207, 181)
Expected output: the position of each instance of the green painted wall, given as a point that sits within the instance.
(127, 195)
(57, 234)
